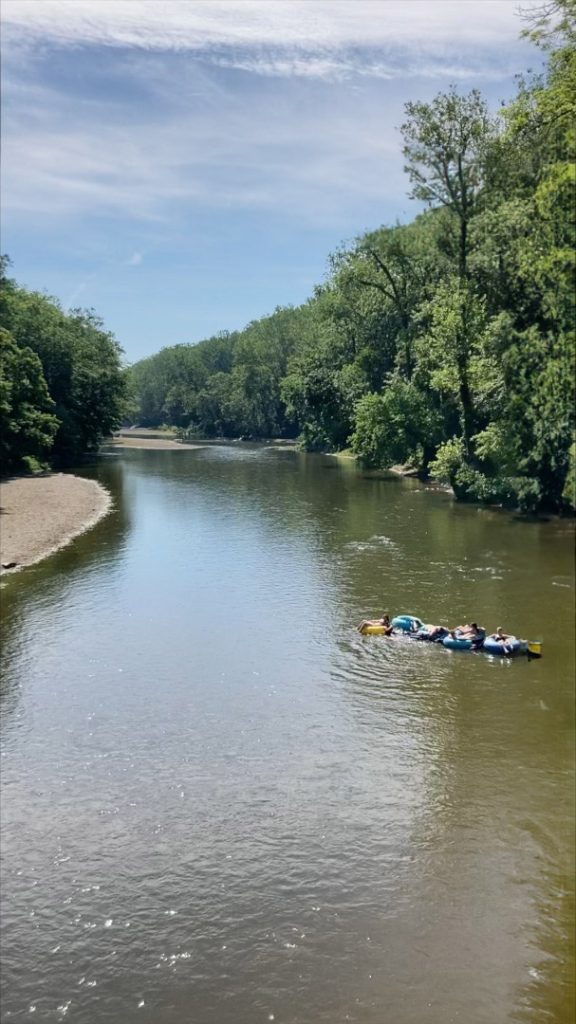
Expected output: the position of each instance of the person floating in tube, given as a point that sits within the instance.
(502, 638)
(384, 621)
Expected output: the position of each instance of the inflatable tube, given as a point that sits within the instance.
(457, 643)
(409, 623)
(502, 649)
(375, 630)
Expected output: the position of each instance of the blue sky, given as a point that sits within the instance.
(186, 166)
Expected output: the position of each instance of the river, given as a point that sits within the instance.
(222, 805)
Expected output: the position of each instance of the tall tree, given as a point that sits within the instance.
(445, 145)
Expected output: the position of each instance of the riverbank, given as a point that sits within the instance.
(39, 515)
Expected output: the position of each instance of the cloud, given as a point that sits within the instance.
(299, 64)
(309, 165)
(308, 38)
(139, 109)
(135, 259)
(273, 150)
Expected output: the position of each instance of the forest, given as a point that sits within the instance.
(446, 344)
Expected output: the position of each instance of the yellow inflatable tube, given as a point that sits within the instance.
(375, 630)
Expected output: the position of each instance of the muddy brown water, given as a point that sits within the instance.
(221, 805)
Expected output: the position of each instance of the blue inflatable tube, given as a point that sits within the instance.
(408, 623)
(502, 649)
(457, 643)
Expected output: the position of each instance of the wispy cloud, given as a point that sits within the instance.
(320, 37)
(81, 171)
(65, 157)
(136, 108)
(349, 65)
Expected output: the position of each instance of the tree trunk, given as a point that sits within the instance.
(463, 256)
(467, 405)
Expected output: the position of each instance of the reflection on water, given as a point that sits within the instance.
(89, 563)
(223, 805)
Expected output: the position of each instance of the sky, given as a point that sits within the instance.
(186, 166)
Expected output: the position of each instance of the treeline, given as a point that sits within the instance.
(446, 343)
(62, 383)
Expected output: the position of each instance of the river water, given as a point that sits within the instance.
(222, 805)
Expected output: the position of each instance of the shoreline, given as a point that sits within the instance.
(40, 515)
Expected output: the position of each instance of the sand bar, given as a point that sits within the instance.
(41, 514)
(151, 443)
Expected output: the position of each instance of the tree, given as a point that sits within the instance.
(27, 422)
(385, 277)
(445, 145)
(397, 426)
(81, 362)
(552, 23)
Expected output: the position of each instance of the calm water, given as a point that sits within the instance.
(221, 805)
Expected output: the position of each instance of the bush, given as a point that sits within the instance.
(471, 484)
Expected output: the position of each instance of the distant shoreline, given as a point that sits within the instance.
(39, 515)
(150, 438)
(150, 443)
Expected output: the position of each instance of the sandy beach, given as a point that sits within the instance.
(41, 514)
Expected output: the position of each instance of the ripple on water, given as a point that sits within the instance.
(265, 815)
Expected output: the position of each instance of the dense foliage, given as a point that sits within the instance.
(62, 385)
(447, 343)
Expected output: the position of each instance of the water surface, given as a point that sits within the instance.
(221, 805)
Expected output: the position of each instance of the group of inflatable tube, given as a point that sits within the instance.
(455, 640)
